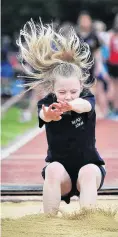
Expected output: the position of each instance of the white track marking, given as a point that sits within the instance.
(25, 139)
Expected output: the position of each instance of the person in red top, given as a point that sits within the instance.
(113, 65)
(113, 58)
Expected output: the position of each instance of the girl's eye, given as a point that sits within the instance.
(62, 92)
(73, 92)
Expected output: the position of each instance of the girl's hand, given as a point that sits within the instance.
(51, 114)
(63, 106)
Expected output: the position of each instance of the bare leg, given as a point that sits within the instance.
(57, 182)
(111, 90)
(115, 101)
(89, 179)
(101, 99)
(31, 109)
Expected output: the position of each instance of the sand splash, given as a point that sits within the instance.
(99, 222)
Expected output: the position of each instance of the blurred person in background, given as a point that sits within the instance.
(11, 83)
(26, 115)
(103, 85)
(27, 109)
(100, 29)
(16, 88)
(66, 27)
(7, 75)
(6, 43)
(87, 33)
(113, 66)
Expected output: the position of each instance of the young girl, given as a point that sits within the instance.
(61, 67)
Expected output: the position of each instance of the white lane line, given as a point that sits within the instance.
(25, 139)
(25, 157)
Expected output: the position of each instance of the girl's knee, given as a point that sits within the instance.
(54, 171)
(87, 175)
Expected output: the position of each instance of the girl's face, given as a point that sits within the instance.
(67, 89)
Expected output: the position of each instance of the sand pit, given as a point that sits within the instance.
(26, 219)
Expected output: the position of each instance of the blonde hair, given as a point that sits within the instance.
(50, 54)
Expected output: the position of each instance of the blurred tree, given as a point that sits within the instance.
(16, 12)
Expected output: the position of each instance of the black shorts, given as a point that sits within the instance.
(73, 173)
(113, 70)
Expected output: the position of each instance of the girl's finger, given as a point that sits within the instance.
(57, 118)
(50, 107)
(62, 104)
(44, 109)
(66, 103)
(56, 105)
(56, 112)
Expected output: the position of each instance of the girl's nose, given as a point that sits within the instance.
(68, 96)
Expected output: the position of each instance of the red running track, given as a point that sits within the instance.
(24, 166)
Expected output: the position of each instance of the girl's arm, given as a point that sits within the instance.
(80, 105)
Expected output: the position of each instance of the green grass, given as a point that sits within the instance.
(11, 128)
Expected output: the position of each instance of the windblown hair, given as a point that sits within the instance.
(45, 54)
